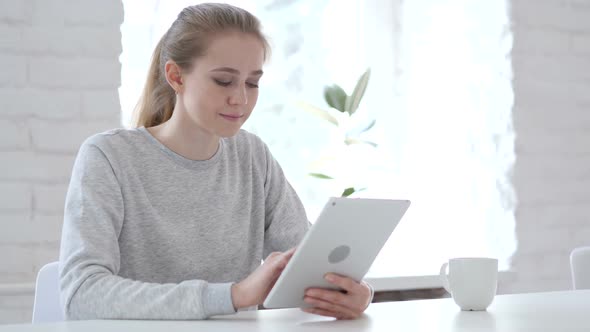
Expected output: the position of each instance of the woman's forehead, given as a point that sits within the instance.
(241, 51)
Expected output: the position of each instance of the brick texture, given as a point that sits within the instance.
(551, 64)
(58, 85)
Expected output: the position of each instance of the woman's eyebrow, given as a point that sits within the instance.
(230, 70)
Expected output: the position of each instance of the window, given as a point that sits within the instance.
(440, 92)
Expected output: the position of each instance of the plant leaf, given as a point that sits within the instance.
(318, 112)
(321, 176)
(347, 192)
(350, 141)
(353, 101)
(335, 97)
(369, 126)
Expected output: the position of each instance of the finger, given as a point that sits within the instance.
(291, 251)
(276, 269)
(352, 302)
(329, 306)
(277, 255)
(328, 296)
(277, 261)
(289, 254)
(345, 283)
(286, 257)
(272, 255)
(280, 262)
(275, 264)
(326, 313)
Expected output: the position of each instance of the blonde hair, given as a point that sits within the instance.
(187, 39)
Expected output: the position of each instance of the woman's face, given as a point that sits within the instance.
(221, 90)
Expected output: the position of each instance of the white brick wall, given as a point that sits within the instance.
(14, 12)
(551, 61)
(14, 71)
(58, 85)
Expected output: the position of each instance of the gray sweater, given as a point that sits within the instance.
(149, 234)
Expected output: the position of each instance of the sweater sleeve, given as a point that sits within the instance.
(285, 219)
(90, 286)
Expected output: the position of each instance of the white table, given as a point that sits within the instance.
(554, 311)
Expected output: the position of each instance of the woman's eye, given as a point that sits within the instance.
(252, 85)
(222, 83)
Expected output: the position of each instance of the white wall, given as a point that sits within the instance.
(551, 60)
(58, 85)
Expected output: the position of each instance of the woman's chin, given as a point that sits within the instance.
(229, 132)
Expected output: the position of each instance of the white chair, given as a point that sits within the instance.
(580, 265)
(47, 306)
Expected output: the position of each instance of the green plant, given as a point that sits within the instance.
(347, 105)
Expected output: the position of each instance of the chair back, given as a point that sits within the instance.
(47, 307)
(580, 266)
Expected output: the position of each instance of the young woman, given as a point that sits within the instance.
(171, 220)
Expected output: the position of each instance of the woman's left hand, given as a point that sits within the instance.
(341, 305)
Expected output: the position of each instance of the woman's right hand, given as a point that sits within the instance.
(254, 289)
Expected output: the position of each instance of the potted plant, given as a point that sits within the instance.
(341, 113)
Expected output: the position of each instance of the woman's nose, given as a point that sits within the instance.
(239, 96)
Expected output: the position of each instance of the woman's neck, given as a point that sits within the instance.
(185, 138)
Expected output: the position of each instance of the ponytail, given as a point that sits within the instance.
(158, 98)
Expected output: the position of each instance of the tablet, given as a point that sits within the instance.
(345, 239)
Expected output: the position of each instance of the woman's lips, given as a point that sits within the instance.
(232, 117)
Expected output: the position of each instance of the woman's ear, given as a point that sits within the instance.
(174, 76)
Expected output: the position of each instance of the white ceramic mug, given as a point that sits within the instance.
(471, 281)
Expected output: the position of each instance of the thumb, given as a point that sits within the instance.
(289, 253)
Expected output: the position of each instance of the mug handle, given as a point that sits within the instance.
(444, 277)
